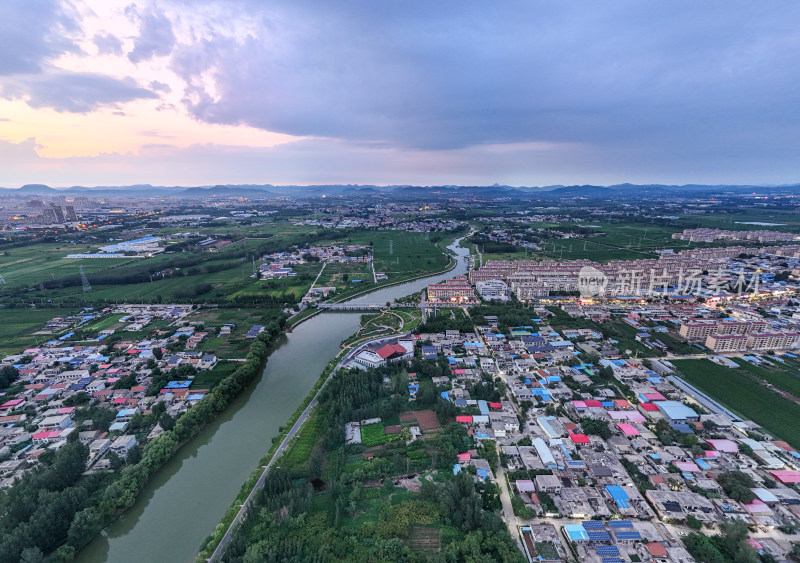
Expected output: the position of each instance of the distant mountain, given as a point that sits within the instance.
(226, 191)
(550, 192)
(36, 189)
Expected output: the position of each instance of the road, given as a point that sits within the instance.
(318, 275)
(505, 499)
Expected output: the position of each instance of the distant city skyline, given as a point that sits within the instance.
(466, 93)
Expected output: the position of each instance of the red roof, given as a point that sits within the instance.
(656, 549)
(464, 418)
(649, 406)
(593, 403)
(579, 438)
(786, 476)
(495, 406)
(46, 434)
(390, 351)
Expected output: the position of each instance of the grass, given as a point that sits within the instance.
(18, 325)
(780, 377)
(372, 434)
(103, 323)
(208, 378)
(737, 389)
(36, 262)
(297, 455)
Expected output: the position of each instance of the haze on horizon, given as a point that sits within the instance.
(300, 92)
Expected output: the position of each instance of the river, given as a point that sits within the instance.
(187, 498)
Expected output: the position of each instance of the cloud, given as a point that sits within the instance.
(34, 31)
(451, 75)
(156, 38)
(157, 86)
(75, 92)
(107, 44)
(323, 161)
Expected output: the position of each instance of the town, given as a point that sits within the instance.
(599, 389)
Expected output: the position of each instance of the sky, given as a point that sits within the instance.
(203, 92)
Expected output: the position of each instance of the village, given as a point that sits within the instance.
(112, 388)
(607, 450)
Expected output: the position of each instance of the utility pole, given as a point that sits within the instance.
(85, 281)
(391, 248)
(2, 280)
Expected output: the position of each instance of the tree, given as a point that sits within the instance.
(693, 522)
(737, 485)
(8, 375)
(596, 427)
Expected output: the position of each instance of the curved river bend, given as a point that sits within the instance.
(186, 499)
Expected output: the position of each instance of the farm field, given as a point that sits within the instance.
(234, 345)
(34, 263)
(783, 377)
(372, 434)
(18, 325)
(738, 390)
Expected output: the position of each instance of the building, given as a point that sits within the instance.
(58, 212)
(493, 289)
(123, 444)
(772, 340)
(454, 290)
(677, 412)
(71, 216)
(697, 330)
(727, 342)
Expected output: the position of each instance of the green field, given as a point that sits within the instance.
(298, 453)
(783, 377)
(36, 262)
(737, 389)
(18, 325)
(372, 434)
(221, 276)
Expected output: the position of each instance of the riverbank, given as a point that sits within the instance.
(300, 318)
(214, 547)
(208, 473)
(123, 492)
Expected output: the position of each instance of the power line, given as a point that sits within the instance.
(87, 287)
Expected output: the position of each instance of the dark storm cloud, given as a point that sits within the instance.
(33, 32)
(155, 39)
(712, 76)
(76, 92)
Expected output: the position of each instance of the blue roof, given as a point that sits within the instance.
(620, 524)
(178, 385)
(592, 525)
(675, 410)
(607, 550)
(597, 535)
(633, 535)
(619, 495)
(483, 406)
(576, 532)
(445, 396)
(456, 469)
